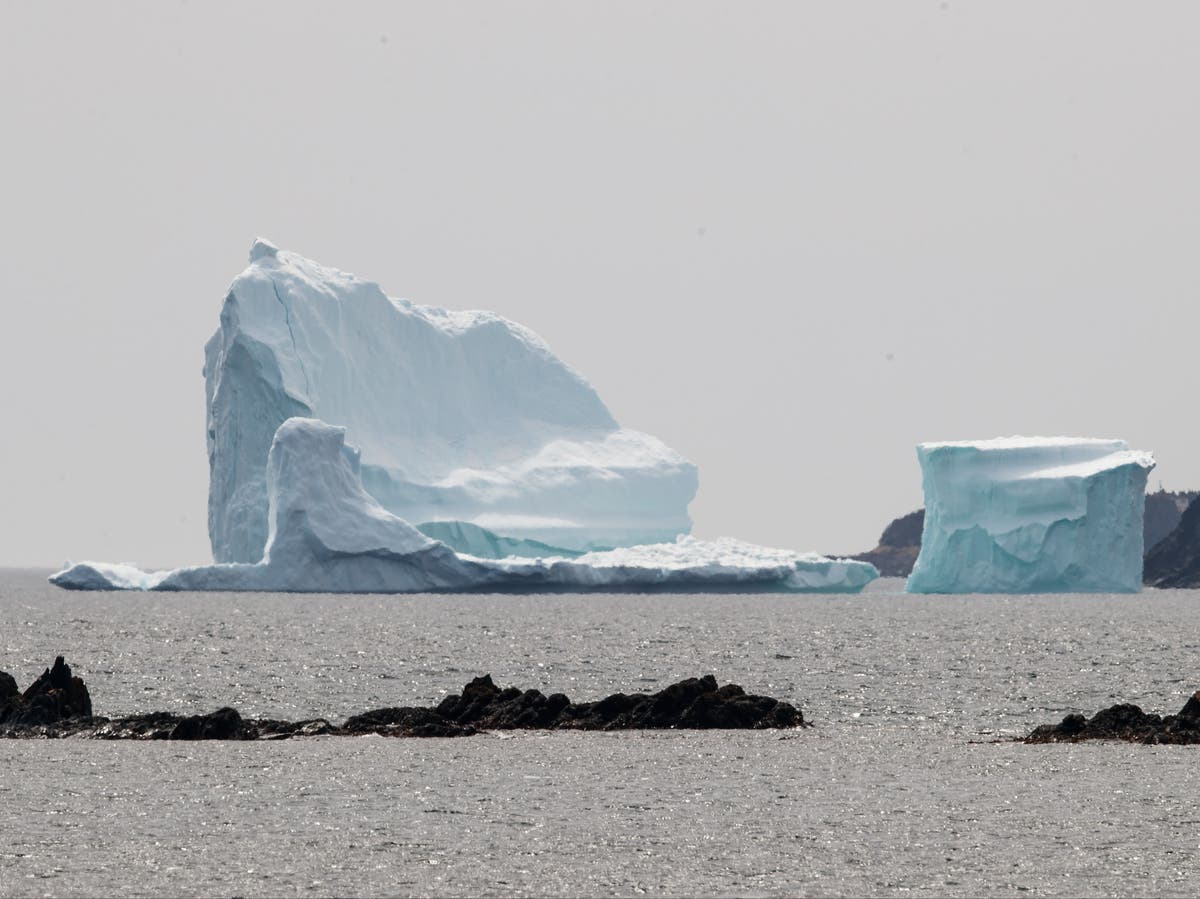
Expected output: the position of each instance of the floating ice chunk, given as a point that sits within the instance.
(328, 535)
(460, 416)
(107, 576)
(1031, 515)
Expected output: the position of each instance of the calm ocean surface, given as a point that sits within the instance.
(895, 791)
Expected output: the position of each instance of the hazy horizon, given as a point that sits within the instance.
(792, 240)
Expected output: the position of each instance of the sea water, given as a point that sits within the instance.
(908, 782)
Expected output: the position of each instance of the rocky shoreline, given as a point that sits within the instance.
(58, 704)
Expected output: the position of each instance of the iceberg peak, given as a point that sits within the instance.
(459, 416)
(262, 248)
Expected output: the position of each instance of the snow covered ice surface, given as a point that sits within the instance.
(460, 417)
(1031, 515)
(327, 534)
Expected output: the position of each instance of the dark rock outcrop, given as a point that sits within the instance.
(1125, 722)
(55, 696)
(8, 687)
(406, 721)
(223, 724)
(1175, 561)
(899, 546)
(1164, 510)
(695, 703)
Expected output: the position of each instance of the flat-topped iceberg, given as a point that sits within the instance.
(460, 417)
(327, 534)
(1031, 515)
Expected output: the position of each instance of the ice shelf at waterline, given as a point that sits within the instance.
(460, 416)
(328, 535)
(1031, 515)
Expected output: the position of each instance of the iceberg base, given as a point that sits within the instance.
(328, 535)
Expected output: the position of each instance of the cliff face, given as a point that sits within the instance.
(898, 546)
(1175, 560)
(1163, 513)
(900, 542)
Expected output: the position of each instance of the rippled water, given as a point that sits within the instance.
(897, 790)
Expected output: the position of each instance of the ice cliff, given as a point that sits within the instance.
(1031, 515)
(326, 534)
(460, 417)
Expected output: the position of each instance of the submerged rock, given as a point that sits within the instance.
(406, 721)
(695, 703)
(1125, 722)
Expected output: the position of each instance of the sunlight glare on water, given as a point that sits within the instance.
(896, 790)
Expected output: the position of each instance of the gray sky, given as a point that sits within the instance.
(790, 239)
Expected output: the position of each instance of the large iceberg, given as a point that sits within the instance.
(337, 416)
(327, 534)
(460, 417)
(1031, 515)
